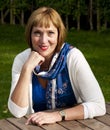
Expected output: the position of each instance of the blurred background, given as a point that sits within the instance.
(78, 14)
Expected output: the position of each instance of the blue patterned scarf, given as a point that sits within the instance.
(59, 92)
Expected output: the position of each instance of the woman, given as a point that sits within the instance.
(52, 75)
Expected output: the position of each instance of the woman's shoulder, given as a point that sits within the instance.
(76, 57)
(75, 52)
(24, 53)
(22, 56)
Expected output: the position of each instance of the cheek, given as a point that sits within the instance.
(35, 40)
(55, 39)
(54, 43)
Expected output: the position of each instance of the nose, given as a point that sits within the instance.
(44, 39)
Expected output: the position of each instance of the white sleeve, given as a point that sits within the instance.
(85, 85)
(16, 110)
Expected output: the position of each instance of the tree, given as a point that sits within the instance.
(105, 12)
(78, 10)
(74, 10)
(63, 7)
(3, 5)
(78, 15)
(91, 14)
(21, 6)
(98, 14)
(12, 12)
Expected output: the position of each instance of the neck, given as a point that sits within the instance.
(48, 59)
(46, 64)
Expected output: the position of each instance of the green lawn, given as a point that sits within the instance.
(95, 46)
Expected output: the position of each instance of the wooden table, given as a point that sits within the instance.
(99, 123)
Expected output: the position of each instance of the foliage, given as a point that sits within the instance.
(105, 9)
(3, 4)
(67, 8)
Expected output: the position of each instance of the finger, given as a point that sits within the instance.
(39, 121)
(35, 120)
(41, 62)
(29, 119)
(39, 56)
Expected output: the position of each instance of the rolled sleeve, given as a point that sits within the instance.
(92, 109)
(16, 110)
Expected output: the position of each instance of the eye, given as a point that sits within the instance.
(37, 33)
(51, 33)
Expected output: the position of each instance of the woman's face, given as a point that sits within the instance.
(44, 40)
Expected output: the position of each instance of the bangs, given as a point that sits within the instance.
(43, 21)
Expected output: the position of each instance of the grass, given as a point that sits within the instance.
(11, 42)
(95, 46)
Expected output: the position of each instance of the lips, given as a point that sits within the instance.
(44, 48)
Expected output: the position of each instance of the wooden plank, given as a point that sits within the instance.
(64, 125)
(20, 123)
(99, 123)
(94, 124)
(104, 119)
(5, 125)
(74, 125)
(54, 126)
(108, 103)
(108, 108)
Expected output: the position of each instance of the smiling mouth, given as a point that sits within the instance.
(44, 48)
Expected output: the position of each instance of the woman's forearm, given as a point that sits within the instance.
(74, 113)
(21, 91)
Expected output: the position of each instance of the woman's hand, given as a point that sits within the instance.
(41, 118)
(34, 59)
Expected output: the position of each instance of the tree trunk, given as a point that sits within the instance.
(105, 24)
(6, 13)
(12, 9)
(91, 18)
(98, 16)
(78, 23)
(22, 17)
(66, 22)
(11, 12)
(2, 17)
(78, 17)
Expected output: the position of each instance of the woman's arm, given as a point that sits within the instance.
(85, 85)
(19, 96)
(21, 92)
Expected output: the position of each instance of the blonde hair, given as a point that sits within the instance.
(42, 17)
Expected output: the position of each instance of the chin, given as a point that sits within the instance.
(44, 55)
